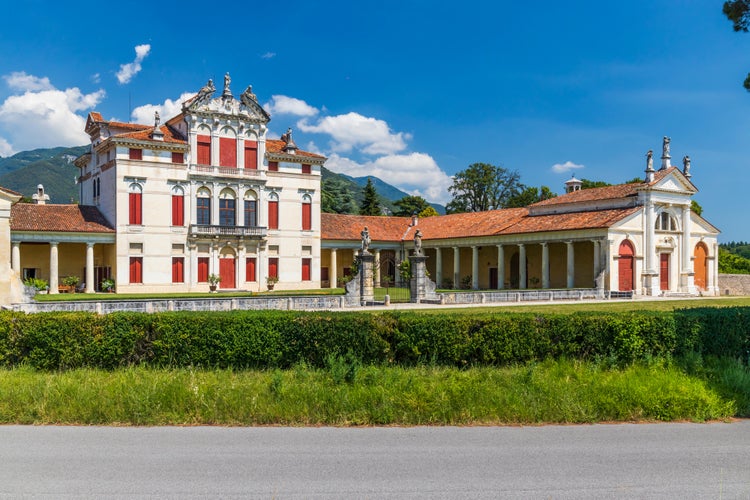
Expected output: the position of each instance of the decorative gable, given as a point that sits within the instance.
(673, 180)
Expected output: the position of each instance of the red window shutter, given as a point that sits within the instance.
(250, 269)
(306, 216)
(178, 210)
(204, 150)
(202, 269)
(227, 152)
(136, 265)
(306, 265)
(178, 157)
(135, 208)
(306, 168)
(178, 269)
(273, 267)
(273, 215)
(273, 166)
(135, 154)
(251, 155)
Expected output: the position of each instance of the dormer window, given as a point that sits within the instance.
(665, 222)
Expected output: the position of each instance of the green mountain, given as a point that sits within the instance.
(52, 167)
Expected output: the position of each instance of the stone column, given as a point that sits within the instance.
(687, 269)
(333, 270)
(53, 267)
(474, 267)
(377, 268)
(500, 267)
(438, 266)
(366, 291)
(193, 259)
(597, 264)
(522, 266)
(571, 272)
(456, 267)
(15, 257)
(650, 272)
(545, 265)
(90, 285)
(420, 285)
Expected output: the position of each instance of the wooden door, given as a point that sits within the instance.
(625, 267)
(700, 266)
(226, 271)
(664, 271)
(493, 278)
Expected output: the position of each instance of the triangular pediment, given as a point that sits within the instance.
(674, 181)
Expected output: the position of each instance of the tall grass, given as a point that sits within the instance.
(346, 393)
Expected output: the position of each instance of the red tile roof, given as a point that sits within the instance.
(277, 146)
(598, 219)
(348, 227)
(593, 194)
(58, 218)
(146, 134)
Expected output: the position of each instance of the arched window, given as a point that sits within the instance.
(178, 206)
(227, 208)
(203, 207)
(135, 203)
(625, 266)
(251, 209)
(204, 146)
(273, 211)
(306, 213)
(665, 222)
(228, 148)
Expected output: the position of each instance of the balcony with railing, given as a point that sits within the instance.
(213, 171)
(210, 231)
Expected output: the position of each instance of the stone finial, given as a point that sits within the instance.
(665, 157)
(290, 146)
(686, 166)
(650, 166)
(227, 93)
(40, 198)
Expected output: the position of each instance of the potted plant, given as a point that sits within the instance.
(213, 280)
(108, 285)
(271, 281)
(70, 282)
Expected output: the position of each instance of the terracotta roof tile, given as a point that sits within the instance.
(277, 146)
(58, 218)
(593, 194)
(146, 134)
(349, 227)
(569, 221)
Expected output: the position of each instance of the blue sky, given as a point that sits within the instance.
(410, 91)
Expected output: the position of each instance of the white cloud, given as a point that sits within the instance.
(416, 173)
(369, 135)
(96, 78)
(128, 71)
(145, 114)
(268, 55)
(284, 105)
(46, 117)
(560, 168)
(19, 80)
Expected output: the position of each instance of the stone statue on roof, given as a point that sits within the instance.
(686, 166)
(650, 161)
(418, 252)
(227, 81)
(665, 147)
(157, 119)
(248, 94)
(365, 241)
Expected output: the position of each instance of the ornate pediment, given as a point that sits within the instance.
(245, 108)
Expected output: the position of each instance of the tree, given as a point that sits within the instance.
(530, 195)
(428, 212)
(695, 207)
(738, 11)
(370, 202)
(409, 205)
(482, 187)
(588, 184)
(335, 198)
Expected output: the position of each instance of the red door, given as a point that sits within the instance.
(700, 266)
(226, 271)
(664, 271)
(625, 266)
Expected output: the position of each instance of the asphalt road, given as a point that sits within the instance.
(591, 461)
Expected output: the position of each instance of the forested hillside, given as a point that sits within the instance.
(52, 167)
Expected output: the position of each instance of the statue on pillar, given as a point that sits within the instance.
(227, 81)
(157, 119)
(650, 161)
(686, 166)
(418, 252)
(365, 241)
(665, 147)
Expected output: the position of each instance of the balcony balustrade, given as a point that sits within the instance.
(209, 170)
(210, 231)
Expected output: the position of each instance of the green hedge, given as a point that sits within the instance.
(270, 339)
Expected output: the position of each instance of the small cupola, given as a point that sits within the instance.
(290, 147)
(573, 184)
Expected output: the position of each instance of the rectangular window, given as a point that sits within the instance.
(204, 150)
(251, 213)
(178, 157)
(135, 212)
(273, 267)
(251, 155)
(135, 154)
(306, 216)
(178, 210)
(203, 211)
(306, 168)
(273, 166)
(226, 212)
(178, 269)
(136, 269)
(250, 269)
(227, 152)
(203, 269)
(306, 268)
(273, 214)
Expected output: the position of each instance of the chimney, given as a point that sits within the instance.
(414, 219)
(40, 198)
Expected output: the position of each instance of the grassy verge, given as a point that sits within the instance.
(345, 393)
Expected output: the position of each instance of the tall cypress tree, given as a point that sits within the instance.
(370, 201)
